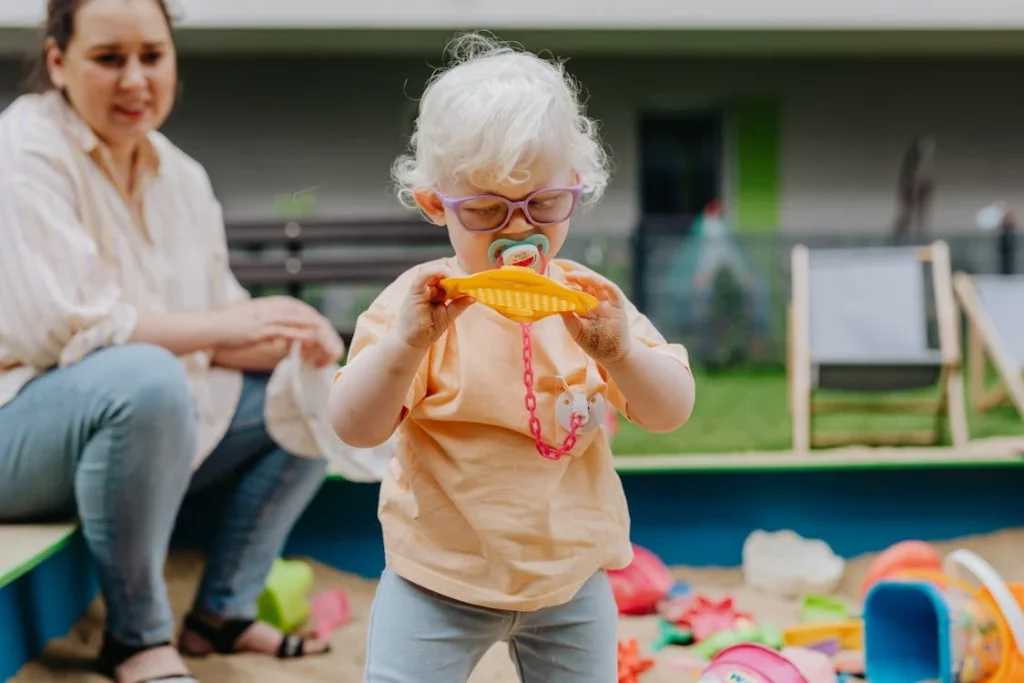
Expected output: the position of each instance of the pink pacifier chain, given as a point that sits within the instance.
(532, 251)
(549, 452)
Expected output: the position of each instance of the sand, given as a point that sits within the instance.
(68, 658)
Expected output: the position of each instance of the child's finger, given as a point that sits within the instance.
(583, 283)
(430, 276)
(458, 306)
(595, 285)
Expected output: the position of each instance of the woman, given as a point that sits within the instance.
(133, 367)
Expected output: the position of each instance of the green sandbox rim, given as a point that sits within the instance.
(785, 462)
(18, 571)
(680, 464)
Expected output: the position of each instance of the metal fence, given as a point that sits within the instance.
(724, 299)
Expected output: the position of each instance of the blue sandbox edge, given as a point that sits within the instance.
(700, 519)
(697, 519)
(44, 604)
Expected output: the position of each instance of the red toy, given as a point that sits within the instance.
(639, 587)
(631, 664)
(705, 617)
(905, 556)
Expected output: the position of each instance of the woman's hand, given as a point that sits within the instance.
(425, 314)
(260, 332)
(603, 332)
(327, 348)
(267, 318)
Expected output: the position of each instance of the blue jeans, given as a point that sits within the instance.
(112, 439)
(418, 636)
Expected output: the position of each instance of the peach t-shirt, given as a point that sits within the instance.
(468, 507)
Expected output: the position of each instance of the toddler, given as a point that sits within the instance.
(500, 512)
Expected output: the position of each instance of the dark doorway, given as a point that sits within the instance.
(680, 166)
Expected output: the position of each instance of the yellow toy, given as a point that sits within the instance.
(848, 635)
(519, 293)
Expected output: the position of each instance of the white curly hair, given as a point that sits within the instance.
(491, 111)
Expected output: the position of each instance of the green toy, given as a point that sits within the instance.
(284, 603)
(822, 609)
(766, 635)
(670, 634)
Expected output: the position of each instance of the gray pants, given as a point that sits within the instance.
(417, 636)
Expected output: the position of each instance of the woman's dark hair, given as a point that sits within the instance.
(60, 26)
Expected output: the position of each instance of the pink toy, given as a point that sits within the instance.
(639, 587)
(751, 663)
(815, 666)
(329, 611)
(705, 617)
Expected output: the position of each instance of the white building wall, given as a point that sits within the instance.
(266, 127)
(657, 14)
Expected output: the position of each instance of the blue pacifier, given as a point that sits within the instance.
(527, 253)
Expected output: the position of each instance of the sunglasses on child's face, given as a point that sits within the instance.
(491, 212)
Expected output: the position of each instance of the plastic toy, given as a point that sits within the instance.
(931, 625)
(815, 666)
(631, 664)
(522, 294)
(284, 603)
(769, 636)
(827, 637)
(902, 557)
(670, 634)
(672, 609)
(674, 605)
(752, 663)
(849, 662)
(329, 611)
(787, 564)
(680, 589)
(642, 584)
(519, 293)
(823, 609)
(705, 617)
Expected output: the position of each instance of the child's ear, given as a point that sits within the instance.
(431, 205)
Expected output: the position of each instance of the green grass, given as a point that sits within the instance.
(747, 411)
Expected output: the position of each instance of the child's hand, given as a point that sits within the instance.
(425, 315)
(604, 332)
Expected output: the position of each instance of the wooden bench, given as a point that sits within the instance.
(24, 546)
(364, 252)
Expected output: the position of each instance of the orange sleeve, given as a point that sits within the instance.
(372, 326)
(644, 331)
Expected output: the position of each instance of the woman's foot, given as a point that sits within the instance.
(160, 663)
(202, 635)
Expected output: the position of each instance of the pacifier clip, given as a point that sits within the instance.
(547, 451)
(531, 253)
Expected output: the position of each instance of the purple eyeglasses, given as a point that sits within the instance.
(492, 212)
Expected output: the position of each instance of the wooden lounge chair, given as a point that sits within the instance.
(993, 306)
(859, 322)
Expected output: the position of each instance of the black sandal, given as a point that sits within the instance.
(223, 638)
(113, 655)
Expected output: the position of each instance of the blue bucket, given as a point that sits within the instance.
(923, 630)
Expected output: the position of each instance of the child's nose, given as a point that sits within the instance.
(518, 223)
